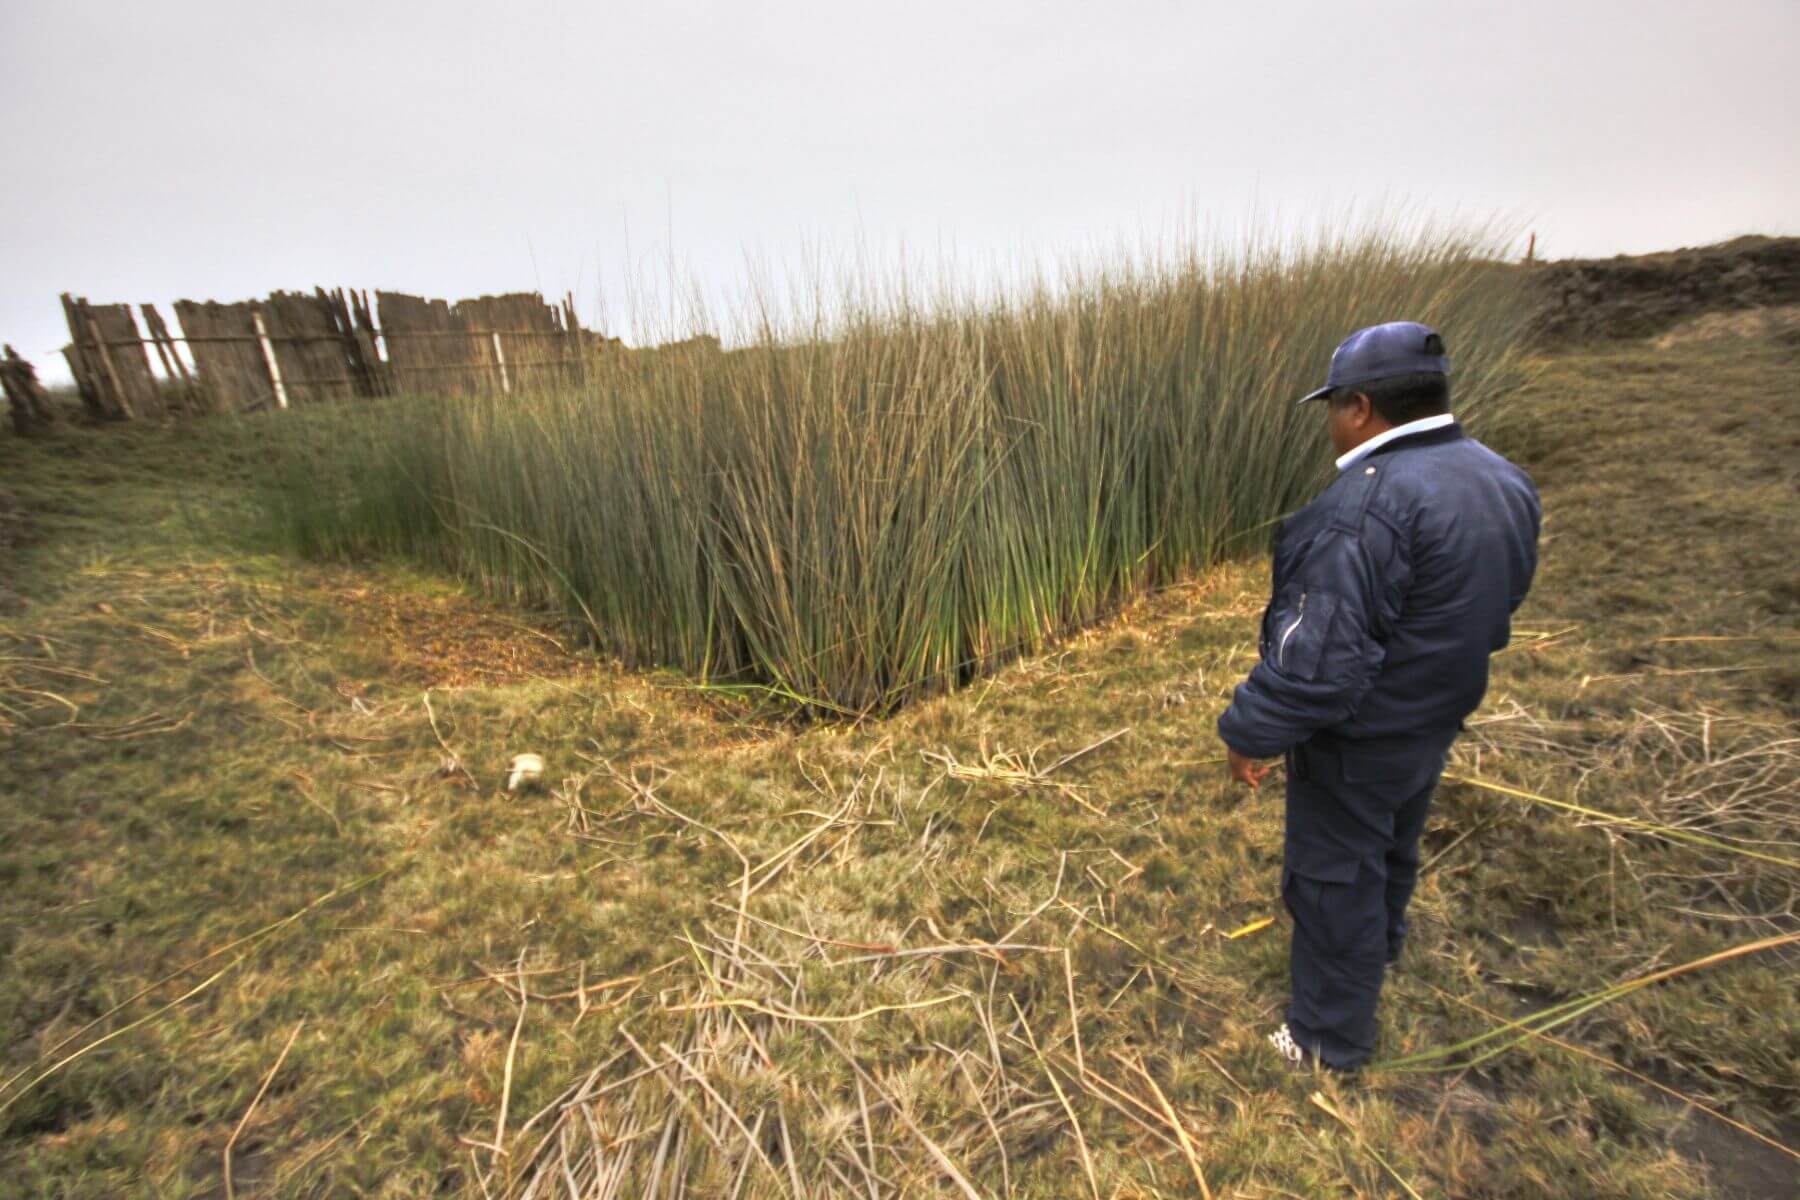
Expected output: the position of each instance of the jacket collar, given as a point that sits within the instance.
(1425, 431)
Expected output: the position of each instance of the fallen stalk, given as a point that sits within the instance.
(810, 1018)
(1662, 831)
(1602, 1059)
(121, 1030)
(231, 1142)
(945, 1163)
(247, 939)
(1174, 1122)
(1087, 1162)
(1536, 1023)
(1320, 1102)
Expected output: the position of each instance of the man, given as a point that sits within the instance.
(1390, 591)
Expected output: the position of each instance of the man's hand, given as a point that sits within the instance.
(1247, 770)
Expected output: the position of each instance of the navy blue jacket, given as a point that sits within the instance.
(1391, 590)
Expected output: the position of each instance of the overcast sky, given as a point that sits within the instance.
(223, 150)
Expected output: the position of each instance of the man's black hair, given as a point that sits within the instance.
(1404, 397)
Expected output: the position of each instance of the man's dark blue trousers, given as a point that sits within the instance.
(1354, 815)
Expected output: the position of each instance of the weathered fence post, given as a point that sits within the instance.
(364, 321)
(31, 408)
(171, 357)
(106, 354)
(500, 358)
(112, 373)
(268, 350)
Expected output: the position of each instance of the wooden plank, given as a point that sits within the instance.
(228, 364)
(110, 372)
(180, 385)
(268, 351)
(81, 362)
(500, 358)
(165, 345)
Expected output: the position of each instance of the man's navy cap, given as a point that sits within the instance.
(1383, 352)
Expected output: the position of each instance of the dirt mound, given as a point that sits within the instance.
(1630, 297)
(1780, 323)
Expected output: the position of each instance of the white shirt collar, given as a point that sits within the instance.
(1422, 425)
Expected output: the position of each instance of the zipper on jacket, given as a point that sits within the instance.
(1281, 648)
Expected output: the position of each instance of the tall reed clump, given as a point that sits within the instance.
(890, 495)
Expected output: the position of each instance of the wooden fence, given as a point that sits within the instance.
(295, 348)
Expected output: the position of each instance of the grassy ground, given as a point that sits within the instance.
(251, 814)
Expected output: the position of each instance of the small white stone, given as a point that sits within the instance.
(524, 768)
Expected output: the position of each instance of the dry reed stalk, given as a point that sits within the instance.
(1175, 971)
(730, 1113)
(1074, 1013)
(1094, 1076)
(490, 975)
(1006, 767)
(1602, 1059)
(862, 1102)
(987, 1117)
(811, 1018)
(231, 1142)
(647, 795)
(499, 1144)
(1662, 831)
(1062, 863)
(770, 869)
(943, 1160)
(1748, 637)
(1152, 1124)
(718, 987)
(996, 951)
(1558, 1014)
(881, 949)
(1087, 1163)
(1532, 642)
(177, 973)
(122, 1030)
(787, 1152)
(1066, 759)
(452, 763)
(562, 1105)
(1220, 1068)
(1319, 1100)
(659, 1072)
(1174, 1122)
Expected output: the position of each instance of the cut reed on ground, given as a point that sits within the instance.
(887, 494)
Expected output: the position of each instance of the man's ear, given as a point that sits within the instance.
(1365, 407)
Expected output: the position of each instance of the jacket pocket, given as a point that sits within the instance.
(1321, 909)
(1298, 634)
(1319, 860)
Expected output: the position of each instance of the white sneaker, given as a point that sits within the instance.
(1288, 1048)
